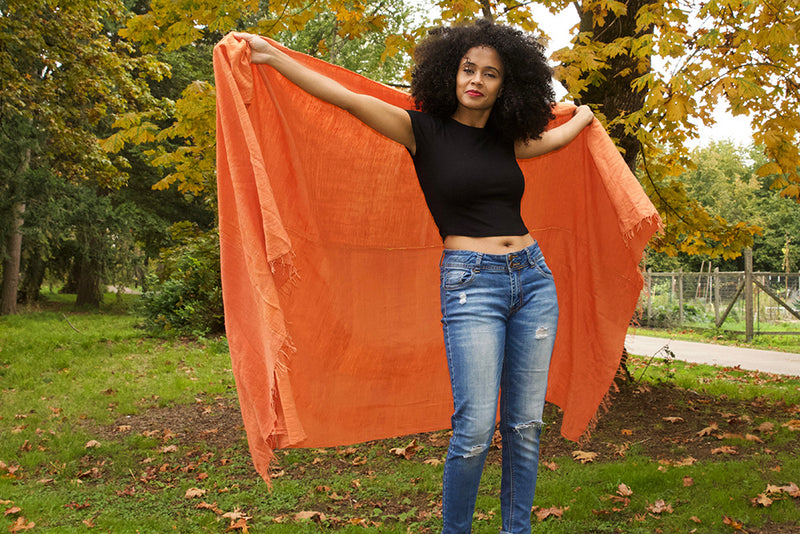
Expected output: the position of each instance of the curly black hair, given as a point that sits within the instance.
(525, 104)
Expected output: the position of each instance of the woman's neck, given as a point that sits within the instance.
(476, 118)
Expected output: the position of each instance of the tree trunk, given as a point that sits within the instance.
(33, 278)
(614, 96)
(89, 274)
(88, 291)
(8, 297)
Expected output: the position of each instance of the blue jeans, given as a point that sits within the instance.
(499, 316)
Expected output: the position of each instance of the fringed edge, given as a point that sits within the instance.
(654, 219)
(604, 406)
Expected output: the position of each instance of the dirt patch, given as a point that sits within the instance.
(216, 422)
(665, 423)
(671, 424)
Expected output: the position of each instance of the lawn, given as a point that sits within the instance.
(107, 429)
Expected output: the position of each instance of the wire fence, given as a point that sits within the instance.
(676, 299)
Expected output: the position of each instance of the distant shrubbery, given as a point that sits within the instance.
(185, 295)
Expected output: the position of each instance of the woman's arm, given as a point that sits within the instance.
(385, 118)
(557, 137)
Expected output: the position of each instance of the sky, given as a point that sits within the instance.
(560, 28)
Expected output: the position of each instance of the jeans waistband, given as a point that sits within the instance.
(491, 262)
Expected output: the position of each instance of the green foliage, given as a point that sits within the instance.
(725, 180)
(186, 295)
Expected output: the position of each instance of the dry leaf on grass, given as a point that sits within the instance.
(708, 430)
(793, 425)
(91, 444)
(624, 491)
(584, 456)
(725, 449)
(761, 500)
(406, 452)
(312, 515)
(659, 507)
(553, 511)
(733, 523)
(673, 419)
(21, 524)
(766, 426)
(191, 493)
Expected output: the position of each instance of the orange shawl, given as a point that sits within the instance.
(330, 264)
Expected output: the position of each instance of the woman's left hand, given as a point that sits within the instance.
(583, 115)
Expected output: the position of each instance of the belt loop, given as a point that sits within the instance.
(529, 253)
(478, 258)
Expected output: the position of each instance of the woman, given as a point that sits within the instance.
(484, 97)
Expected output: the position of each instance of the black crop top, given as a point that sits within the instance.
(470, 178)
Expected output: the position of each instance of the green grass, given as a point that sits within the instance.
(62, 388)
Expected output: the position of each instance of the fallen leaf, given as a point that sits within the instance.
(734, 524)
(688, 482)
(13, 510)
(433, 461)
(92, 444)
(683, 462)
(725, 449)
(552, 466)
(213, 507)
(793, 425)
(553, 511)
(695, 519)
(169, 448)
(761, 500)
(406, 452)
(191, 493)
(766, 426)
(239, 524)
(708, 430)
(673, 419)
(624, 491)
(659, 507)
(626, 432)
(312, 515)
(89, 523)
(791, 489)
(584, 456)
(753, 438)
(21, 524)
(235, 515)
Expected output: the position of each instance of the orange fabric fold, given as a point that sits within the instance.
(330, 264)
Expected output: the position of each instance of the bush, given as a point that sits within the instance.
(185, 296)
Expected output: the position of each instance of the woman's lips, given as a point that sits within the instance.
(474, 93)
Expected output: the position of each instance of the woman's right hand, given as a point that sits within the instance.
(260, 50)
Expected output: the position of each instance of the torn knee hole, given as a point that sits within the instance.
(530, 424)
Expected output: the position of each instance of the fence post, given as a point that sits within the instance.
(748, 293)
(717, 299)
(680, 296)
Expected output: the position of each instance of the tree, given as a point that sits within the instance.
(725, 180)
(64, 74)
(174, 26)
(741, 51)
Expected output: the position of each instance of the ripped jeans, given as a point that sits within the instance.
(499, 316)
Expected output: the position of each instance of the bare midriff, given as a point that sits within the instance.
(489, 245)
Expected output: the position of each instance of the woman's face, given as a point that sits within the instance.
(479, 78)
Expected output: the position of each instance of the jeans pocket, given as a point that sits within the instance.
(542, 267)
(457, 277)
